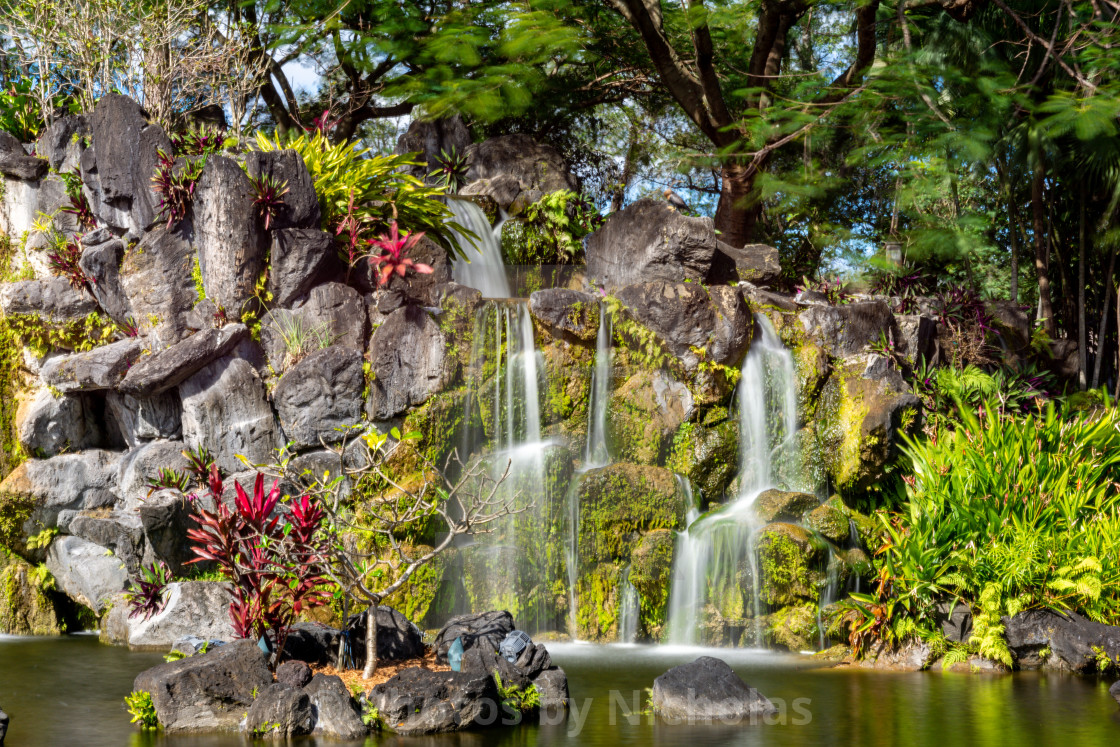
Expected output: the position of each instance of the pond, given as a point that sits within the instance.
(69, 691)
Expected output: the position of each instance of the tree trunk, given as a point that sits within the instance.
(1082, 336)
(1013, 230)
(1104, 321)
(371, 642)
(1041, 255)
(736, 214)
(342, 639)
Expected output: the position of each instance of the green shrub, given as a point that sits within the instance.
(550, 231)
(522, 700)
(142, 710)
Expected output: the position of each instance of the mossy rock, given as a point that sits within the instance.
(793, 628)
(707, 455)
(415, 599)
(621, 502)
(440, 423)
(17, 504)
(781, 505)
(597, 590)
(26, 608)
(488, 204)
(645, 413)
(568, 396)
(812, 366)
(829, 521)
(788, 560)
(651, 573)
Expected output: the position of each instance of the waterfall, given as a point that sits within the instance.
(716, 562)
(595, 453)
(518, 562)
(627, 610)
(485, 271)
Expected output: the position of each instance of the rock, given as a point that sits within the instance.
(294, 674)
(333, 311)
(779, 505)
(707, 689)
(707, 455)
(534, 659)
(209, 692)
(618, 501)
(848, 329)
(53, 300)
(170, 367)
(15, 163)
(229, 235)
(914, 656)
(117, 531)
(127, 151)
(100, 368)
(198, 608)
(156, 275)
(537, 168)
(313, 643)
(87, 573)
(300, 206)
(47, 487)
(481, 661)
(1012, 324)
(57, 145)
(336, 714)
(416, 287)
(917, 337)
(165, 518)
(753, 263)
(49, 424)
(502, 191)
(487, 629)
(645, 413)
(225, 409)
(420, 701)
(1073, 640)
(142, 464)
(408, 362)
(397, 638)
(955, 620)
(693, 323)
(192, 645)
(552, 684)
(650, 241)
(140, 419)
(793, 628)
(788, 562)
(759, 299)
(566, 312)
(102, 263)
(25, 608)
(1114, 691)
(300, 259)
(829, 521)
(319, 399)
(433, 140)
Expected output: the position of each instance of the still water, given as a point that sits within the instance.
(69, 691)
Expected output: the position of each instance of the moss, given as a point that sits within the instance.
(787, 559)
(645, 413)
(15, 509)
(44, 336)
(651, 573)
(618, 502)
(25, 607)
(597, 590)
(440, 423)
(830, 521)
(794, 628)
(196, 275)
(707, 456)
(415, 599)
(568, 369)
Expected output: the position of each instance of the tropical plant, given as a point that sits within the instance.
(301, 337)
(169, 479)
(205, 140)
(521, 699)
(20, 113)
(79, 205)
(551, 230)
(146, 597)
(268, 197)
(276, 567)
(394, 259)
(65, 260)
(833, 289)
(174, 181)
(142, 709)
(451, 169)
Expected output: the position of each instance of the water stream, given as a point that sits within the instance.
(596, 453)
(716, 563)
(485, 269)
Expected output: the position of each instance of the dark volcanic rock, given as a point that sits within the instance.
(210, 692)
(172, 366)
(408, 360)
(487, 629)
(432, 139)
(85, 572)
(420, 701)
(313, 643)
(4, 721)
(56, 143)
(707, 690)
(15, 162)
(230, 238)
(280, 711)
(397, 638)
(1114, 691)
(848, 329)
(1071, 638)
(483, 660)
(294, 674)
(54, 300)
(100, 368)
(320, 398)
(753, 263)
(140, 419)
(300, 259)
(552, 684)
(300, 206)
(336, 713)
(51, 424)
(567, 312)
(538, 168)
(102, 262)
(333, 310)
(156, 277)
(650, 241)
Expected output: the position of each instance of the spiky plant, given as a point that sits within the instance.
(145, 598)
(394, 258)
(65, 261)
(269, 197)
(175, 183)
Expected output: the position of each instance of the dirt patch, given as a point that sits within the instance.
(353, 677)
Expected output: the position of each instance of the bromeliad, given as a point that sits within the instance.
(393, 258)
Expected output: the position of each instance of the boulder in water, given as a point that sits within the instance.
(294, 674)
(1073, 640)
(707, 689)
(487, 629)
(336, 713)
(4, 721)
(280, 711)
(1114, 691)
(420, 701)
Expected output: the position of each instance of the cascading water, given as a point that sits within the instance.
(627, 610)
(485, 271)
(505, 382)
(596, 454)
(716, 562)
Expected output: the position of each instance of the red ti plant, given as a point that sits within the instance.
(394, 257)
(175, 186)
(276, 563)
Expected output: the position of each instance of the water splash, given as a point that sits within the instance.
(716, 563)
(627, 610)
(485, 269)
(596, 453)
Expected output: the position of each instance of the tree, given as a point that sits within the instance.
(470, 503)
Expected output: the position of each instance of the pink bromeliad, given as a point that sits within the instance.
(393, 258)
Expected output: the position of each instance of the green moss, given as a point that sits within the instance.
(794, 628)
(619, 502)
(196, 274)
(787, 559)
(26, 608)
(597, 590)
(416, 598)
(707, 456)
(44, 336)
(651, 573)
(829, 520)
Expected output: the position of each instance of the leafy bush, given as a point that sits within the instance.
(65, 261)
(944, 390)
(373, 190)
(907, 285)
(1005, 513)
(268, 197)
(550, 231)
(832, 288)
(145, 598)
(142, 709)
(522, 700)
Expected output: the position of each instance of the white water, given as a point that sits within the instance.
(485, 270)
(627, 610)
(717, 550)
(596, 453)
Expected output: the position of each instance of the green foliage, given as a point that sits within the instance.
(142, 710)
(301, 337)
(377, 186)
(550, 231)
(43, 336)
(42, 540)
(520, 699)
